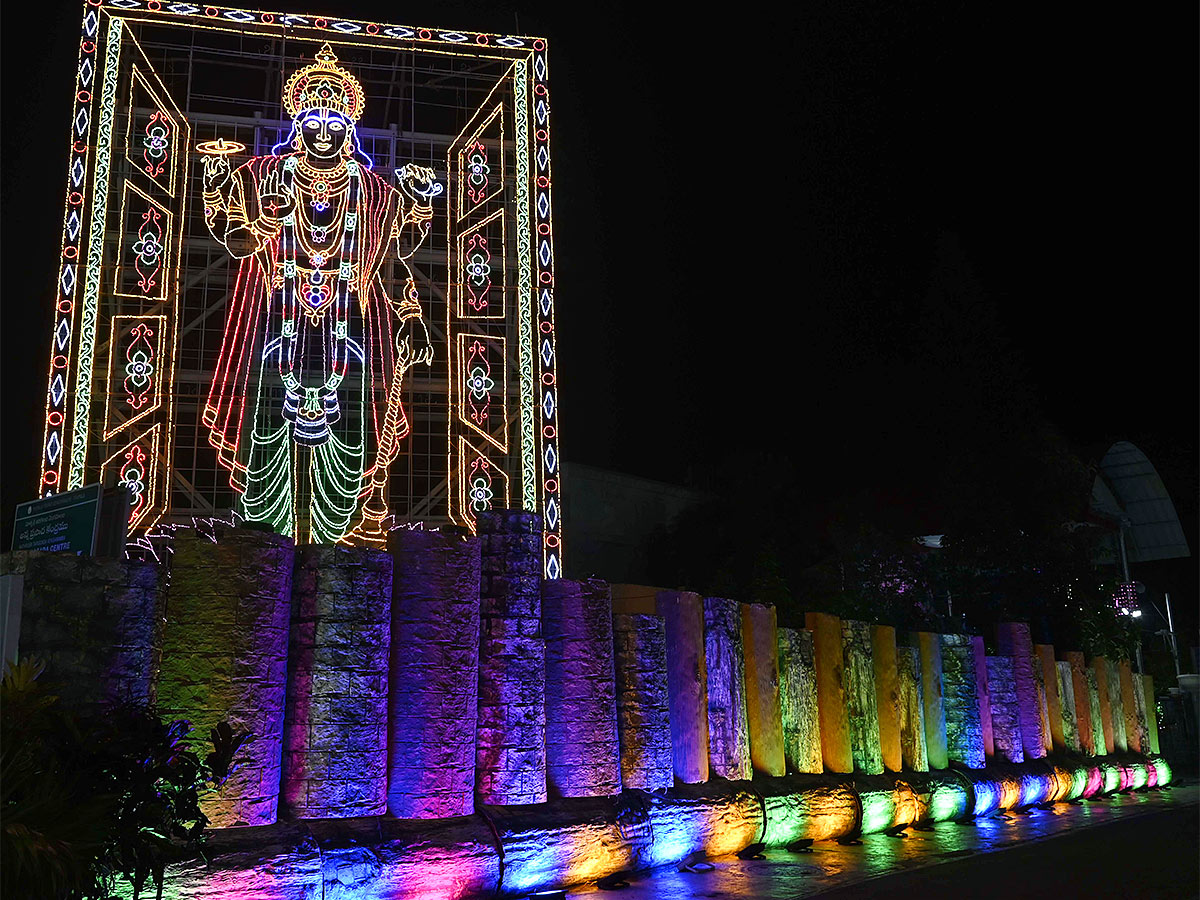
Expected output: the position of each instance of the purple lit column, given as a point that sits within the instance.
(583, 757)
(1006, 709)
(335, 734)
(1013, 641)
(434, 674)
(728, 732)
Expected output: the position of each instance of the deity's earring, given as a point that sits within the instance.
(348, 144)
(296, 145)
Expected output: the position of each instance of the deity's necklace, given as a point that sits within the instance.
(313, 408)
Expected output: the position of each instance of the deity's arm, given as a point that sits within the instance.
(412, 226)
(247, 228)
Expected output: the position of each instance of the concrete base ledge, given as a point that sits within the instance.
(512, 850)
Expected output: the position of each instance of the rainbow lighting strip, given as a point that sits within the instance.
(111, 397)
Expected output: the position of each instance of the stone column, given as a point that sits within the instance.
(1039, 681)
(858, 686)
(1083, 708)
(1098, 704)
(760, 640)
(1151, 708)
(1070, 718)
(912, 709)
(887, 695)
(1133, 728)
(1054, 704)
(1013, 641)
(1116, 705)
(724, 660)
(1006, 709)
(335, 724)
(983, 695)
(434, 674)
(930, 647)
(643, 707)
(798, 701)
(510, 749)
(1141, 717)
(836, 752)
(225, 656)
(964, 728)
(583, 757)
(96, 623)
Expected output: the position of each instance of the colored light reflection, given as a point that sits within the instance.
(1138, 775)
(1061, 785)
(1126, 777)
(948, 801)
(1163, 771)
(1095, 781)
(1034, 789)
(816, 816)
(1112, 777)
(1151, 775)
(987, 797)
(1010, 793)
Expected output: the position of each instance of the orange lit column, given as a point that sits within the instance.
(1066, 698)
(887, 694)
(831, 705)
(760, 639)
(1133, 730)
(1083, 708)
(1054, 712)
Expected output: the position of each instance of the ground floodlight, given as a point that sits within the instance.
(753, 851)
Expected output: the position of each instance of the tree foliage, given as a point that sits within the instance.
(88, 799)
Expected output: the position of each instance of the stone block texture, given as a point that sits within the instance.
(982, 695)
(932, 697)
(433, 675)
(224, 656)
(1116, 706)
(1006, 709)
(1070, 718)
(1013, 641)
(964, 725)
(1097, 704)
(583, 757)
(335, 745)
(798, 701)
(1082, 702)
(724, 660)
(1039, 681)
(1054, 703)
(887, 695)
(837, 755)
(687, 682)
(760, 638)
(1151, 711)
(510, 766)
(858, 687)
(643, 705)
(1135, 728)
(912, 709)
(95, 623)
(1141, 713)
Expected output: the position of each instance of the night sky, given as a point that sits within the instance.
(804, 235)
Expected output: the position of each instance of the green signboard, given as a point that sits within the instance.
(66, 521)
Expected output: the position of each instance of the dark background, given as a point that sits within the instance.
(835, 246)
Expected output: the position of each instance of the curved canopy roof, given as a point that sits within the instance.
(1128, 488)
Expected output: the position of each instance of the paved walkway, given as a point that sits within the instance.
(1128, 846)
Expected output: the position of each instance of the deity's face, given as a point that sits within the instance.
(323, 133)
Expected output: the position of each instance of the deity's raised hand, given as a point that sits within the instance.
(273, 200)
(419, 182)
(216, 172)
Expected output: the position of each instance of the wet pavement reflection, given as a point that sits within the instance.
(782, 874)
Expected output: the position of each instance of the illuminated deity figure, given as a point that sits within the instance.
(305, 405)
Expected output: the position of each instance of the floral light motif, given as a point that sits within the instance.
(132, 476)
(480, 480)
(477, 172)
(156, 141)
(149, 249)
(139, 366)
(479, 272)
(479, 383)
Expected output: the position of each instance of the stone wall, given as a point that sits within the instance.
(724, 659)
(887, 695)
(1066, 695)
(858, 688)
(96, 623)
(1097, 704)
(760, 638)
(1006, 709)
(912, 709)
(836, 752)
(1116, 706)
(582, 753)
(510, 752)
(798, 701)
(933, 698)
(964, 728)
(643, 705)
(225, 656)
(335, 745)
(1083, 707)
(1013, 641)
(983, 695)
(433, 674)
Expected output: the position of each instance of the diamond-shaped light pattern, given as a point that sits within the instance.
(552, 514)
(81, 120)
(346, 27)
(77, 171)
(85, 72)
(239, 15)
(553, 570)
(546, 300)
(57, 391)
(400, 32)
(67, 279)
(53, 448)
(541, 110)
(548, 405)
(543, 157)
(551, 458)
(543, 204)
(509, 42)
(89, 23)
(539, 67)
(183, 9)
(544, 253)
(62, 334)
(452, 36)
(547, 352)
(73, 225)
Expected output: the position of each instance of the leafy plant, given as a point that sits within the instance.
(87, 799)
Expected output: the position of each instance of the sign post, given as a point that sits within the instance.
(66, 521)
